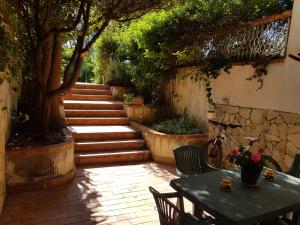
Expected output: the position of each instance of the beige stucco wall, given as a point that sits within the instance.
(281, 89)
(186, 95)
(8, 100)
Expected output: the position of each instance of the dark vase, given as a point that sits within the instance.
(250, 174)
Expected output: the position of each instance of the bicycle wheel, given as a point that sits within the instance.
(214, 153)
(272, 163)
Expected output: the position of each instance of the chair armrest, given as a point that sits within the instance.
(171, 195)
(180, 174)
(210, 168)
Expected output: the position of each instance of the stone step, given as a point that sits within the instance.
(81, 97)
(102, 133)
(91, 86)
(76, 104)
(109, 145)
(90, 91)
(111, 157)
(97, 121)
(94, 113)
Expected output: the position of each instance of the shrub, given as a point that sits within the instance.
(178, 126)
(119, 74)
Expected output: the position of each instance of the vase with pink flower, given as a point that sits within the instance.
(251, 163)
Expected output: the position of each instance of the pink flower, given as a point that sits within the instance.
(256, 157)
(261, 151)
(233, 152)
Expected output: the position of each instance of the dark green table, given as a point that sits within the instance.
(241, 205)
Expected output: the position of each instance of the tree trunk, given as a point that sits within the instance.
(46, 108)
(54, 82)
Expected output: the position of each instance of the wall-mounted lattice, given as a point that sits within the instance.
(253, 41)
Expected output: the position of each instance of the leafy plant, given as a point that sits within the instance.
(178, 126)
(119, 73)
(128, 98)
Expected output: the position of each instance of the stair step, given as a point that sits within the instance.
(97, 121)
(82, 97)
(102, 133)
(91, 86)
(111, 157)
(72, 104)
(90, 91)
(94, 113)
(109, 145)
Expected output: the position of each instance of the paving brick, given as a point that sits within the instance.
(109, 195)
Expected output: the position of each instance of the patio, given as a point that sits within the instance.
(98, 195)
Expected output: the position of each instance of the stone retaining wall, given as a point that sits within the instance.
(278, 131)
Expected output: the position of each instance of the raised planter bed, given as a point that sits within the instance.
(40, 167)
(162, 145)
(145, 113)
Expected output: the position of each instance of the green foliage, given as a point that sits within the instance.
(178, 126)
(184, 35)
(128, 98)
(119, 73)
(10, 48)
(86, 71)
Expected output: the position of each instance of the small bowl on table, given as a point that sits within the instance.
(226, 183)
(269, 174)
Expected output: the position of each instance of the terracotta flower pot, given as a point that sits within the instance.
(250, 174)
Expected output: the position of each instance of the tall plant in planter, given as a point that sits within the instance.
(48, 25)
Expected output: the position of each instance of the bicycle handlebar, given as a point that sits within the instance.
(224, 124)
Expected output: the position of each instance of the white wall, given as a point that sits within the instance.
(281, 89)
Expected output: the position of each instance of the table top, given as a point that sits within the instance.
(241, 205)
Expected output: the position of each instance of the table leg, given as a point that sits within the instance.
(198, 211)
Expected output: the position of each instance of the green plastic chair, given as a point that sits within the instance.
(190, 160)
(295, 169)
(170, 214)
(295, 172)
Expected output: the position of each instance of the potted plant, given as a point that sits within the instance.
(251, 163)
(132, 100)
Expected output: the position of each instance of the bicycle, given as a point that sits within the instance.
(214, 153)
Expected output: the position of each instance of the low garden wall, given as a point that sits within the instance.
(145, 113)
(162, 145)
(278, 131)
(40, 167)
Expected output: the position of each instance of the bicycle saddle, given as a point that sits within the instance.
(224, 124)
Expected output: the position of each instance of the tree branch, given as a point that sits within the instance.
(297, 58)
(96, 36)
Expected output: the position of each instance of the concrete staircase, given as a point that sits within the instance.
(101, 128)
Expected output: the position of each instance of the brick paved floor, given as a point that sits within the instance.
(99, 195)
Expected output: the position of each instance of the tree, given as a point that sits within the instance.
(49, 24)
(294, 57)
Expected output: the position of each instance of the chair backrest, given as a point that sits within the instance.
(168, 213)
(190, 159)
(295, 169)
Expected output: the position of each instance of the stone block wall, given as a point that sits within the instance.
(278, 131)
